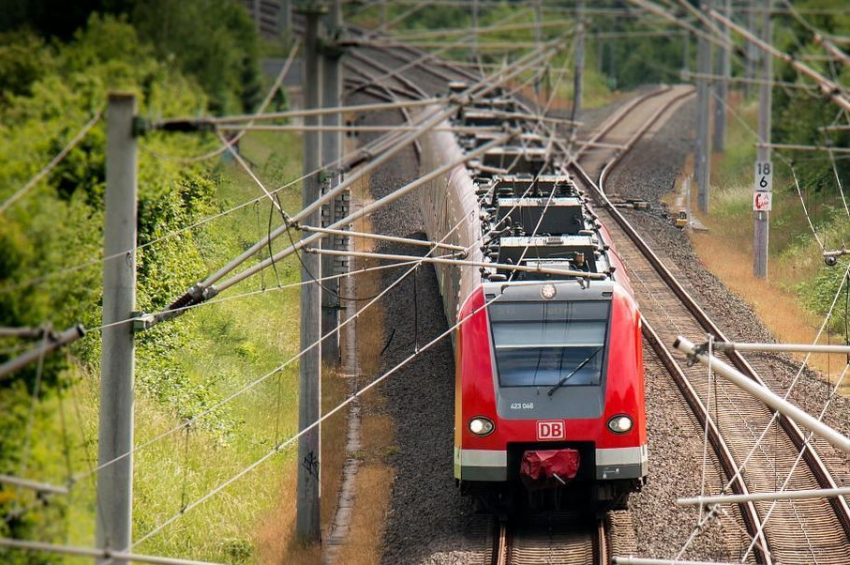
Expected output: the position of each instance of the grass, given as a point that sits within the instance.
(231, 344)
(795, 264)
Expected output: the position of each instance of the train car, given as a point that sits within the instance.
(549, 391)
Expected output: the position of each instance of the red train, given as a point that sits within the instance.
(549, 393)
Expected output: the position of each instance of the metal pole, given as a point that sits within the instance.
(475, 30)
(538, 41)
(830, 89)
(115, 438)
(331, 153)
(309, 389)
(781, 347)
(763, 496)
(447, 260)
(761, 228)
(52, 343)
(284, 17)
(579, 62)
(110, 556)
(724, 69)
(703, 140)
(774, 401)
(647, 561)
(752, 52)
(36, 486)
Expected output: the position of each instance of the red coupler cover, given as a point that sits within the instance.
(545, 464)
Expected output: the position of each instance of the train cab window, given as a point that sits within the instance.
(541, 343)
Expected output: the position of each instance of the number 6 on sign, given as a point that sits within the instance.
(764, 176)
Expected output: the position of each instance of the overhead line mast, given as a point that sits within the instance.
(308, 518)
(764, 168)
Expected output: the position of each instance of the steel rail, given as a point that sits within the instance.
(813, 460)
(501, 543)
(749, 513)
(507, 546)
(603, 556)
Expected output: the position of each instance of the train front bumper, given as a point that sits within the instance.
(491, 465)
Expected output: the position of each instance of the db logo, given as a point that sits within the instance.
(550, 430)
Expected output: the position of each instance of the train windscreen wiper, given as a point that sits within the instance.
(581, 365)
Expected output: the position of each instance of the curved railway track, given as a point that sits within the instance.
(813, 531)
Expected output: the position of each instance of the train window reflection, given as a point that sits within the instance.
(540, 343)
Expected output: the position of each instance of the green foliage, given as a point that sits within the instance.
(58, 225)
(223, 57)
(211, 41)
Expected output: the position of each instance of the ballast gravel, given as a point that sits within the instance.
(650, 172)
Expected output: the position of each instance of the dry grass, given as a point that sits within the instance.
(374, 479)
(779, 309)
(364, 539)
(334, 434)
(726, 251)
(374, 484)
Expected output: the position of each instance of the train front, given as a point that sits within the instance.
(550, 377)
(550, 406)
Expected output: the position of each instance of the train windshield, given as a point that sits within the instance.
(542, 343)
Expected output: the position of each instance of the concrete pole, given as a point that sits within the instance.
(724, 69)
(703, 140)
(475, 37)
(308, 525)
(284, 17)
(115, 437)
(752, 50)
(599, 46)
(579, 62)
(331, 152)
(538, 41)
(761, 231)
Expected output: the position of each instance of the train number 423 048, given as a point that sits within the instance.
(522, 406)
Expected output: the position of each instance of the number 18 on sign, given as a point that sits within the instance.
(763, 186)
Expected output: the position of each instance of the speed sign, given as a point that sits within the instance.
(764, 176)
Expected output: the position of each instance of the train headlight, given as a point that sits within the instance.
(620, 424)
(481, 426)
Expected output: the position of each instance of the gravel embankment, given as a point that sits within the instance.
(428, 521)
(649, 172)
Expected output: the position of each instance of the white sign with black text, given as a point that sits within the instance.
(764, 176)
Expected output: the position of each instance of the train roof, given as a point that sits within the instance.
(532, 212)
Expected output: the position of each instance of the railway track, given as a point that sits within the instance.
(562, 538)
(812, 531)
(800, 532)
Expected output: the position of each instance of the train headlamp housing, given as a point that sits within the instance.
(620, 424)
(481, 426)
